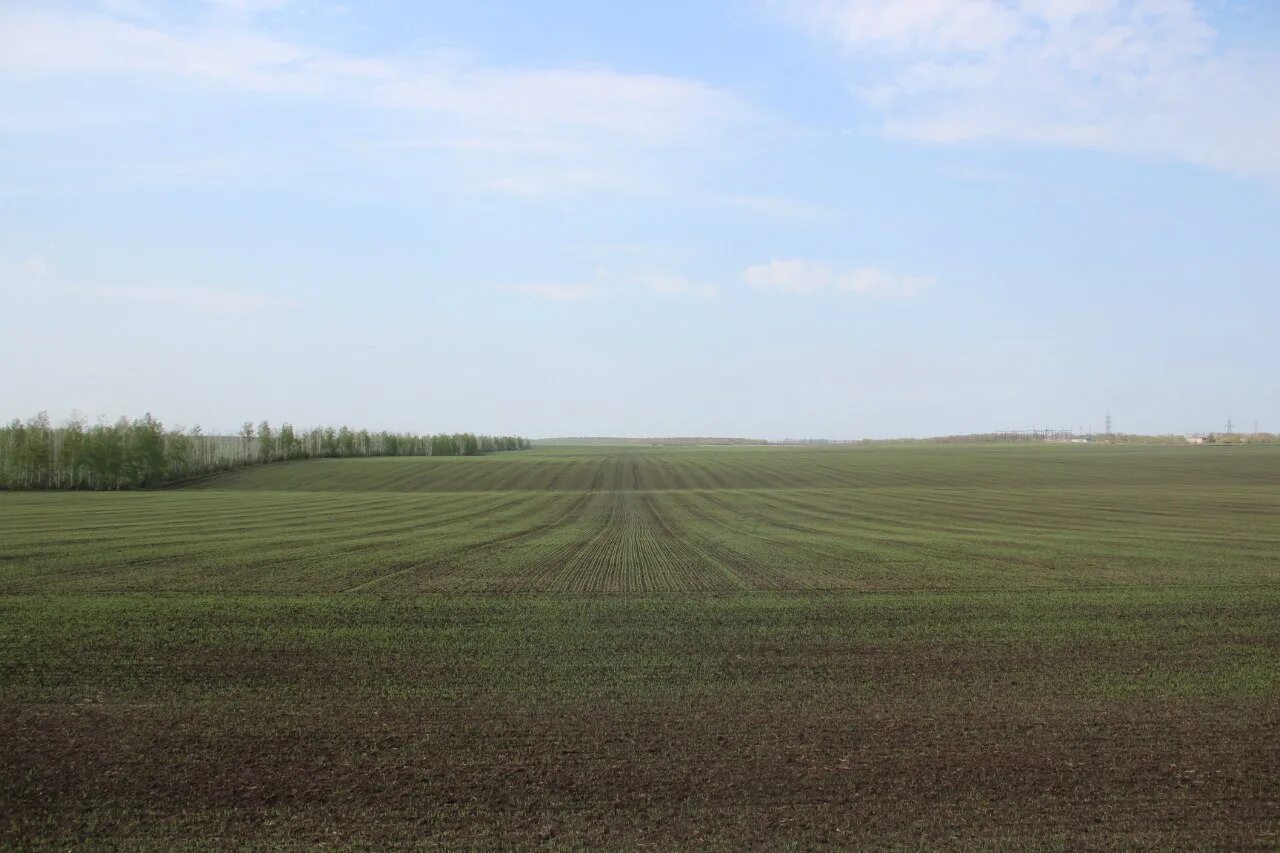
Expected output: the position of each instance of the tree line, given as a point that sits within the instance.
(138, 453)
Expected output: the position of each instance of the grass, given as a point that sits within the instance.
(666, 647)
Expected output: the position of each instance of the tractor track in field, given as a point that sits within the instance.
(625, 545)
(519, 535)
(555, 561)
(829, 564)
(674, 533)
(282, 551)
(752, 572)
(575, 556)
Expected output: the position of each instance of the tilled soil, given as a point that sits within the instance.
(776, 745)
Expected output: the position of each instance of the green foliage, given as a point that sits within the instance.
(142, 453)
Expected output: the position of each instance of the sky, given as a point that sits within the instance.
(806, 219)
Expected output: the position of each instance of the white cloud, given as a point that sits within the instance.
(796, 276)
(918, 24)
(868, 281)
(670, 284)
(1139, 76)
(193, 298)
(788, 276)
(454, 104)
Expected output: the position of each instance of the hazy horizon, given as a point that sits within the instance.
(229, 431)
(812, 219)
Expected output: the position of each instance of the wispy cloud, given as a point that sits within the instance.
(927, 25)
(30, 273)
(557, 292)
(670, 284)
(555, 180)
(1140, 76)
(777, 207)
(788, 276)
(35, 273)
(608, 283)
(869, 281)
(801, 277)
(575, 122)
(35, 267)
(247, 6)
(192, 298)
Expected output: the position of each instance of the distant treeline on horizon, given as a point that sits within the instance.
(1030, 437)
(1021, 436)
(127, 454)
(622, 441)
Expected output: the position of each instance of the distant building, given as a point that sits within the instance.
(1196, 438)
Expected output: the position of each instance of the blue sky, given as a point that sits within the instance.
(820, 218)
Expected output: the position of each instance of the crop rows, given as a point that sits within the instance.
(737, 648)
(694, 468)
(1096, 525)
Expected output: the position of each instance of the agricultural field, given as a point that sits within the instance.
(667, 647)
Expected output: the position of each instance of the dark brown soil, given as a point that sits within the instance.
(801, 773)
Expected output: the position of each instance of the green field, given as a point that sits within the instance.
(915, 646)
